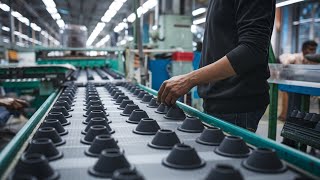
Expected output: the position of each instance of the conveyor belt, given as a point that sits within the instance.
(148, 161)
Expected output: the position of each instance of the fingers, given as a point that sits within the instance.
(22, 102)
(165, 94)
(161, 90)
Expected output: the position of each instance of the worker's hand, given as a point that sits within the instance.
(12, 103)
(174, 88)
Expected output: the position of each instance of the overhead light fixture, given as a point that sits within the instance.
(35, 27)
(4, 28)
(49, 3)
(199, 21)
(288, 2)
(56, 16)
(52, 10)
(61, 23)
(199, 11)
(4, 7)
(132, 17)
(103, 41)
(16, 14)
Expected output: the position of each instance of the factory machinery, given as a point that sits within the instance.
(116, 129)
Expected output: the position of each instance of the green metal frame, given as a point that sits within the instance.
(273, 107)
(9, 153)
(301, 160)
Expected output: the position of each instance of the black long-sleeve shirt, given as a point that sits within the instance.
(240, 30)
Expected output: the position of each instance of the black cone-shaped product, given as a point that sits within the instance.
(91, 94)
(98, 121)
(51, 133)
(264, 160)
(301, 115)
(93, 132)
(164, 139)
(46, 147)
(94, 108)
(211, 136)
(136, 116)
(162, 109)
(183, 156)
(233, 146)
(153, 103)
(191, 125)
(64, 104)
(141, 94)
(137, 92)
(146, 98)
(94, 103)
(315, 118)
(134, 89)
(65, 98)
(175, 113)
(101, 143)
(113, 89)
(147, 126)
(56, 125)
(115, 97)
(61, 109)
(35, 165)
(113, 92)
(294, 113)
(124, 103)
(120, 99)
(224, 172)
(69, 91)
(128, 109)
(59, 116)
(308, 116)
(127, 174)
(96, 114)
(68, 95)
(109, 161)
(91, 98)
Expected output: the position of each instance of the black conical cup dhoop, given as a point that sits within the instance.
(64, 104)
(124, 103)
(153, 103)
(44, 146)
(136, 116)
(301, 115)
(93, 132)
(113, 92)
(95, 108)
(175, 113)
(101, 143)
(59, 116)
(134, 89)
(127, 174)
(162, 109)
(137, 92)
(128, 109)
(96, 114)
(141, 94)
(61, 109)
(66, 98)
(113, 89)
(164, 139)
(56, 125)
(146, 98)
(35, 165)
(120, 99)
(294, 113)
(91, 98)
(233, 146)
(191, 125)
(308, 116)
(264, 160)
(224, 172)
(51, 133)
(98, 121)
(115, 97)
(94, 103)
(315, 118)
(69, 95)
(147, 126)
(109, 161)
(183, 156)
(212, 136)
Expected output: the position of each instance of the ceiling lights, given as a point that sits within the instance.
(103, 41)
(52, 10)
(114, 7)
(199, 11)
(288, 2)
(4, 7)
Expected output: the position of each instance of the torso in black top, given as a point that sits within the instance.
(240, 30)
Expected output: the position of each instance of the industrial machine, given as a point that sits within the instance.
(117, 130)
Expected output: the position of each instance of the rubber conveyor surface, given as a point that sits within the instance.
(148, 161)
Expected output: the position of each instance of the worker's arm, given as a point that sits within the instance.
(254, 20)
(12, 103)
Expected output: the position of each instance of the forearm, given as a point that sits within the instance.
(219, 70)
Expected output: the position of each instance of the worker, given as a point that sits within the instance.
(10, 104)
(308, 47)
(233, 73)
